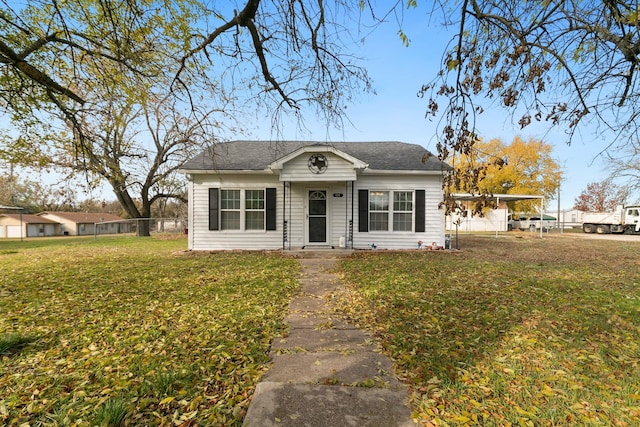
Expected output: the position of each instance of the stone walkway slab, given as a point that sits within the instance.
(302, 405)
(327, 371)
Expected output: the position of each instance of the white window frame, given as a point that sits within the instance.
(262, 210)
(391, 211)
(373, 224)
(399, 212)
(243, 209)
(225, 209)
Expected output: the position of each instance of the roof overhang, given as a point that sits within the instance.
(226, 171)
(400, 172)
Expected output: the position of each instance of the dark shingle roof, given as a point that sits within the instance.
(258, 155)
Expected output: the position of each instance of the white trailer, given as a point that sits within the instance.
(625, 219)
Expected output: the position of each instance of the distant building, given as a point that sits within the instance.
(568, 217)
(25, 225)
(84, 223)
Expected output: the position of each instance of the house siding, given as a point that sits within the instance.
(342, 206)
(230, 239)
(299, 215)
(297, 170)
(434, 216)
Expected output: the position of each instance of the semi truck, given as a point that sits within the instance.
(624, 219)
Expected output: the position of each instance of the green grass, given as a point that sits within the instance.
(134, 331)
(112, 413)
(531, 332)
(11, 343)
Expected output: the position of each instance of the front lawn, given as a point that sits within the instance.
(523, 332)
(131, 331)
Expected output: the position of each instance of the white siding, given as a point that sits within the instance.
(201, 238)
(434, 216)
(14, 231)
(297, 170)
(342, 206)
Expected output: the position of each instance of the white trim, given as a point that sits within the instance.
(279, 164)
(399, 172)
(226, 171)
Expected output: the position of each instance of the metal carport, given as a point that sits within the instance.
(468, 197)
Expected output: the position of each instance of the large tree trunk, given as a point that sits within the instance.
(143, 228)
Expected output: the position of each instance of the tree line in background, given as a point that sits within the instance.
(34, 196)
(603, 197)
(125, 90)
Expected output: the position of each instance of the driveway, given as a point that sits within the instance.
(618, 237)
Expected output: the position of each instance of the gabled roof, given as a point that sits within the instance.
(279, 163)
(83, 217)
(258, 155)
(30, 219)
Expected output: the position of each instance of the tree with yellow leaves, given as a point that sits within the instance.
(521, 167)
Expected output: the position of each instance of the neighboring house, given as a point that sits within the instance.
(84, 223)
(292, 195)
(25, 225)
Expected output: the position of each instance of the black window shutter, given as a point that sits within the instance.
(363, 211)
(271, 209)
(420, 215)
(213, 209)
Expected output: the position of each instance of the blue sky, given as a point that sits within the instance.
(397, 113)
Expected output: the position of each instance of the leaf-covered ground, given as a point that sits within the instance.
(509, 331)
(131, 331)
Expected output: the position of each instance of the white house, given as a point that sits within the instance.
(293, 195)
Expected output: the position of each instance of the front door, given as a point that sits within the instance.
(317, 226)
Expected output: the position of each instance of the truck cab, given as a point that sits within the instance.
(632, 218)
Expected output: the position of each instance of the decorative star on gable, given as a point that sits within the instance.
(318, 163)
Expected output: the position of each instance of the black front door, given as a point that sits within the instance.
(317, 216)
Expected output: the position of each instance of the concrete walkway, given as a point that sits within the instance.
(326, 372)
